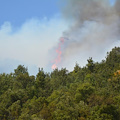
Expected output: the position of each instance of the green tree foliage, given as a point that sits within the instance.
(83, 92)
(14, 110)
(90, 65)
(88, 93)
(20, 70)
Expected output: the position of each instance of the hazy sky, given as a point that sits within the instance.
(29, 30)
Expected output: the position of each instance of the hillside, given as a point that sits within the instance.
(88, 93)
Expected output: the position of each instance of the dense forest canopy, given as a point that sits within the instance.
(88, 93)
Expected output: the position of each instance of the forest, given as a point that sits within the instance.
(91, 92)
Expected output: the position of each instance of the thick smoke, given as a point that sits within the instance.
(94, 29)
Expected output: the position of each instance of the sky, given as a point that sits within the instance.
(29, 33)
(18, 11)
(112, 2)
(29, 29)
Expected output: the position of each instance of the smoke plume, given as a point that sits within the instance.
(94, 29)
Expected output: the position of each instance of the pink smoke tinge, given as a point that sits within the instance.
(59, 53)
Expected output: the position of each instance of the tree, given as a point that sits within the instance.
(40, 79)
(83, 92)
(20, 70)
(90, 65)
(14, 110)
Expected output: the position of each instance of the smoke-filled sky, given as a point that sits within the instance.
(94, 30)
(30, 30)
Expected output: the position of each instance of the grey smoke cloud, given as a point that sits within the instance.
(94, 29)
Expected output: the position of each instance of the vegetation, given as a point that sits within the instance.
(88, 93)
